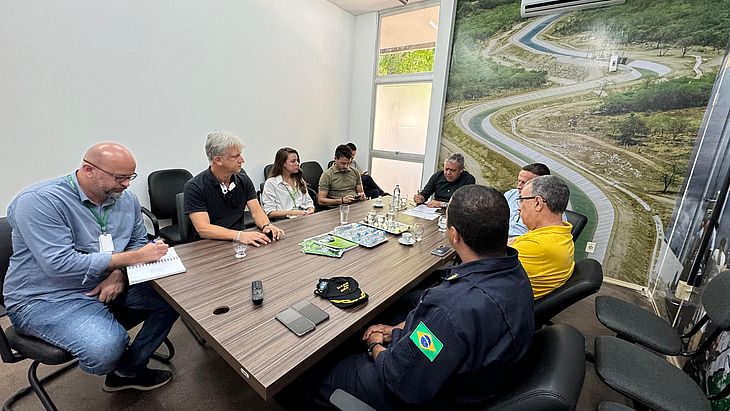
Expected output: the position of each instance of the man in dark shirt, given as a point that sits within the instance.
(443, 184)
(455, 347)
(216, 198)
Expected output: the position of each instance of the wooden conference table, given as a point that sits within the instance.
(265, 353)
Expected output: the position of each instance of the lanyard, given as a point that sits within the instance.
(293, 197)
(102, 219)
(292, 194)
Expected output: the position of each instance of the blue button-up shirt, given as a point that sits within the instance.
(516, 226)
(56, 240)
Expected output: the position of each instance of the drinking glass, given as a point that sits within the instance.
(380, 219)
(391, 216)
(239, 247)
(442, 223)
(403, 202)
(344, 213)
(418, 231)
(371, 217)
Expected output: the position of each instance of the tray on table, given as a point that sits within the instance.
(361, 234)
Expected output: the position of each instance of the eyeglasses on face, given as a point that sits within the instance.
(117, 177)
(521, 199)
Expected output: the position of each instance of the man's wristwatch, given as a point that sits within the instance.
(371, 347)
(264, 226)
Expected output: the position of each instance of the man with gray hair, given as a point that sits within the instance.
(216, 198)
(443, 184)
(546, 251)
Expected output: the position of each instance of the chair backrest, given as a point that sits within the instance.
(6, 250)
(586, 280)
(267, 170)
(183, 220)
(162, 186)
(312, 172)
(578, 221)
(715, 300)
(329, 163)
(550, 376)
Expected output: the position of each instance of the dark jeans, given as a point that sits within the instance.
(88, 329)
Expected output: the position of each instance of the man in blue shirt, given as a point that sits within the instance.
(528, 172)
(73, 237)
(455, 347)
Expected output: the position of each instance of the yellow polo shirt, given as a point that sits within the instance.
(547, 256)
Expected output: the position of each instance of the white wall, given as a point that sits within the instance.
(158, 75)
(364, 67)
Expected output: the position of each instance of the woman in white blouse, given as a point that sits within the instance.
(285, 191)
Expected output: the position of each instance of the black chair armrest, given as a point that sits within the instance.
(345, 401)
(155, 223)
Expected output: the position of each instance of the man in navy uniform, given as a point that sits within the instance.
(465, 333)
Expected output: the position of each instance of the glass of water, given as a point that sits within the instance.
(239, 247)
(418, 231)
(442, 223)
(371, 217)
(391, 216)
(344, 214)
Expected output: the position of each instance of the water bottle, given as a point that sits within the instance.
(396, 195)
(442, 223)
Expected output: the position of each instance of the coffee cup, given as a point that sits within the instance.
(407, 237)
(378, 202)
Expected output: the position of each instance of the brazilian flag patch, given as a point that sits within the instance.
(426, 341)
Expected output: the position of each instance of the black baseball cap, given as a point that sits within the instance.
(342, 292)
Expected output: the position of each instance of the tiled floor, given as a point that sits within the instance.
(203, 381)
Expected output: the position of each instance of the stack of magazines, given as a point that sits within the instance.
(327, 244)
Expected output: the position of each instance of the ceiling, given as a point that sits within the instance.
(357, 7)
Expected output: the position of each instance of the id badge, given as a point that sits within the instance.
(106, 245)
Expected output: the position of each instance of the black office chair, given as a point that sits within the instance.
(586, 280)
(578, 221)
(648, 379)
(267, 170)
(548, 378)
(634, 324)
(312, 171)
(162, 186)
(329, 163)
(15, 347)
(247, 217)
(187, 231)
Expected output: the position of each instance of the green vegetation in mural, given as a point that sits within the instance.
(472, 75)
(682, 92)
(405, 62)
(665, 23)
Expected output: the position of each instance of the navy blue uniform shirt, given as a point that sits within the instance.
(463, 335)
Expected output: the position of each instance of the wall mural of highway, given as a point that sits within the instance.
(610, 99)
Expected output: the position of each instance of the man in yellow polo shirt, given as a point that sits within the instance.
(546, 251)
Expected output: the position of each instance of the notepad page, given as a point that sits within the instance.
(169, 264)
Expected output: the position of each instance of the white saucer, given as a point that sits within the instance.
(400, 240)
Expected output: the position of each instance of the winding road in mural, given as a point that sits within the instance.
(476, 122)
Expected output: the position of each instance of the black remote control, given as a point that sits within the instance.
(257, 292)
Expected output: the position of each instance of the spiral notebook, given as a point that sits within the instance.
(169, 264)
